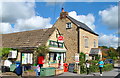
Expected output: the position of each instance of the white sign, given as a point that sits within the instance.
(12, 54)
(77, 58)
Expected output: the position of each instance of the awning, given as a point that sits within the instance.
(51, 49)
(94, 51)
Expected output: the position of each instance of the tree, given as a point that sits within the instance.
(103, 47)
(113, 53)
(41, 51)
(118, 49)
(4, 52)
(109, 53)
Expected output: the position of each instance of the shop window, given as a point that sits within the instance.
(86, 42)
(55, 44)
(68, 25)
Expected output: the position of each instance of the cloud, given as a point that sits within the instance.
(87, 19)
(60, 0)
(22, 15)
(108, 40)
(35, 22)
(17, 0)
(110, 17)
(11, 11)
(78, 0)
(5, 28)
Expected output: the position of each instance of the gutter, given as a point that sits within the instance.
(78, 40)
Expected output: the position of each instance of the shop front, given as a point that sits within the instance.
(57, 54)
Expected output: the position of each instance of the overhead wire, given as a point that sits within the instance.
(54, 14)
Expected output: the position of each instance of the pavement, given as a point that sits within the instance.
(113, 73)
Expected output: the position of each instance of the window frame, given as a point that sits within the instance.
(94, 43)
(86, 44)
(54, 44)
(68, 25)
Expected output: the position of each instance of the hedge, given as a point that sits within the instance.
(95, 68)
(108, 67)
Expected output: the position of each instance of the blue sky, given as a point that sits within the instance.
(82, 8)
(99, 16)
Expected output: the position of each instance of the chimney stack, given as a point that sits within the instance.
(63, 14)
(63, 10)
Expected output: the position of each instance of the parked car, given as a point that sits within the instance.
(109, 61)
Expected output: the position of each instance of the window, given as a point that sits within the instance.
(94, 43)
(27, 58)
(68, 25)
(56, 44)
(86, 42)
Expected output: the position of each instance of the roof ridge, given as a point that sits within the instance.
(83, 25)
(26, 31)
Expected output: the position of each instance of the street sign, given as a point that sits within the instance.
(60, 38)
(77, 58)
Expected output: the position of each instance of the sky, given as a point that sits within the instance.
(101, 17)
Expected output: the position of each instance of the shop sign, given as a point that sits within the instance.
(77, 58)
(60, 38)
(12, 54)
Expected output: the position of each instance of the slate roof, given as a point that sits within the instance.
(81, 25)
(95, 51)
(32, 38)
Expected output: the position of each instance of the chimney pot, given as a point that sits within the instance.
(63, 10)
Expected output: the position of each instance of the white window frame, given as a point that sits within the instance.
(86, 42)
(68, 25)
(95, 43)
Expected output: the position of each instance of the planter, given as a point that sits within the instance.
(58, 72)
(26, 73)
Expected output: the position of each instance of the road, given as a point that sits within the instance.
(112, 73)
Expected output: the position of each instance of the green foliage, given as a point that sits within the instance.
(82, 63)
(97, 57)
(82, 56)
(75, 70)
(94, 68)
(42, 50)
(103, 47)
(4, 52)
(118, 49)
(108, 67)
(83, 69)
(110, 53)
(93, 62)
(29, 70)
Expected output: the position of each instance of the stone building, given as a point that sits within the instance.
(26, 43)
(78, 37)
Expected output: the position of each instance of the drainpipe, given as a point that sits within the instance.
(78, 40)
(78, 37)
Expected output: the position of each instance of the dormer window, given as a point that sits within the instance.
(68, 25)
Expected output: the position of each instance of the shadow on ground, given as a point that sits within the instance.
(118, 76)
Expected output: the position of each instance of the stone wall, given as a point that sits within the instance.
(91, 38)
(70, 38)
